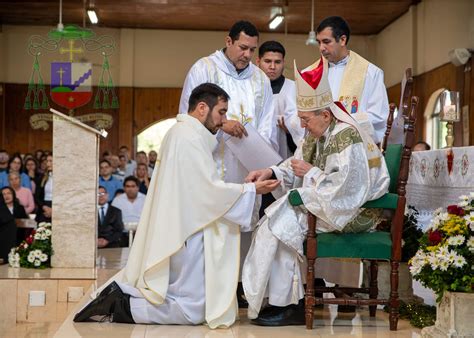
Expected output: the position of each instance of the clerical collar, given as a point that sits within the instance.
(340, 62)
(231, 64)
(277, 84)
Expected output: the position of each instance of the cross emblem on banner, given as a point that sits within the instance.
(71, 50)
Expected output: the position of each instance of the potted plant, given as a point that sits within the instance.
(444, 263)
(35, 251)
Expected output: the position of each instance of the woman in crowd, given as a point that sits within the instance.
(15, 164)
(31, 170)
(7, 230)
(13, 204)
(44, 193)
(24, 195)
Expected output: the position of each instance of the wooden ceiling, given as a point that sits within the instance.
(364, 16)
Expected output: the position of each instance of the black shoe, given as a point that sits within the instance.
(122, 313)
(288, 315)
(243, 304)
(346, 308)
(111, 303)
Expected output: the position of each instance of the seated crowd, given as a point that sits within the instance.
(26, 184)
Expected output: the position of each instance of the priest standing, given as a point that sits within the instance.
(271, 59)
(184, 263)
(354, 81)
(332, 174)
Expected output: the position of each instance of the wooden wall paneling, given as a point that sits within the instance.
(394, 93)
(471, 103)
(2, 115)
(125, 118)
(153, 105)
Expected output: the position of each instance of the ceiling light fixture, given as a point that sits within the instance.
(92, 16)
(311, 41)
(276, 21)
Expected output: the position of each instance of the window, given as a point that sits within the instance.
(436, 130)
(151, 137)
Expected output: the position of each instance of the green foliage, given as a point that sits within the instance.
(445, 259)
(35, 251)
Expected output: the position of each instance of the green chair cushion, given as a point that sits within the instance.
(366, 245)
(387, 201)
(393, 156)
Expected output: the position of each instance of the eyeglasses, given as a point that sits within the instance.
(101, 194)
(306, 121)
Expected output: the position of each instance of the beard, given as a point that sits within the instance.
(213, 128)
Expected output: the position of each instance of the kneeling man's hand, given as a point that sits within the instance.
(259, 175)
(264, 187)
(300, 167)
(234, 128)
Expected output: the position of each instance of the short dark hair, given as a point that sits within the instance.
(338, 25)
(124, 147)
(425, 144)
(121, 156)
(131, 178)
(271, 46)
(242, 26)
(102, 187)
(209, 93)
(141, 152)
(105, 161)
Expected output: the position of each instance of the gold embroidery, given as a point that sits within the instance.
(375, 162)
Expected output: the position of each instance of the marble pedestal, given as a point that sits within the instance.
(454, 317)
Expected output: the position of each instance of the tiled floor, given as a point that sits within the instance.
(327, 321)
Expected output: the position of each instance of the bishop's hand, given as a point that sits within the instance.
(300, 167)
(259, 175)
(234, 128)
(264, 187)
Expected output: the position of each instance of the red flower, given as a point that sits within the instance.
(455, 210)
(29, 240)
(434, 237)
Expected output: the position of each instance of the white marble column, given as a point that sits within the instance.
(75, 174)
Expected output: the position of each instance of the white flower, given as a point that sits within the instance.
(37, 253)
(471, 194)
(43, 257)
(459, 261)
(456, 240)
(48, 232)
(444, 265)
(44, 237)
(443, 216)
(31, 258)
(470, 243)
(463, 197)
(443, 251)
(415, 269)
(438, 211)
(37, 263)
(451, 256)
(463, 204)
(38, 235)
(434, 262)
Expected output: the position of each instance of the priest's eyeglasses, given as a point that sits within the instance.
(305, 121)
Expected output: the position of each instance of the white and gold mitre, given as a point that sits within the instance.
(312, 87)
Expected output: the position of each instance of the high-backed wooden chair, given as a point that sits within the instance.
(372, 246)
(383, 145)
(398, 125)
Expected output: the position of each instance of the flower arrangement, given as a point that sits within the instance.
(444, 261)
(35, 251)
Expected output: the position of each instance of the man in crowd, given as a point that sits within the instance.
(421, 146)
(184, 263)
(143, 159)
(152, 155)
(110, 222)
(131, 164)
(354, 81)
(332, 174)
(271, 59)
(107, 180)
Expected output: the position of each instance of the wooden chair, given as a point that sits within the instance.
(370, 246)
(383, 145)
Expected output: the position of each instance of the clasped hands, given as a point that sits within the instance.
(262, 181)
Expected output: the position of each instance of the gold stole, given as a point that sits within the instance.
(353, 81)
